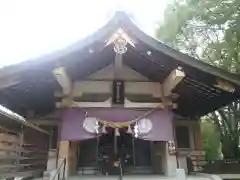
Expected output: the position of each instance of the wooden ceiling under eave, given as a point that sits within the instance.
(197, 92)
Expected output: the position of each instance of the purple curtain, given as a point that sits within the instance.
(72, 122)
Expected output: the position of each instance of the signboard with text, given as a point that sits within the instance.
(118, 92)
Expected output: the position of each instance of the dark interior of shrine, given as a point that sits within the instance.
(104, 151)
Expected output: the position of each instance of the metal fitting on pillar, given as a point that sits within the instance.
(171, 147)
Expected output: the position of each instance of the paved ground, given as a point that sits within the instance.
(139, 177)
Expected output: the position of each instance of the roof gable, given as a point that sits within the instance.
(120, 20)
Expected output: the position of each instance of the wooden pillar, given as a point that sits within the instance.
(198, 156)
(64, 149)
(68, 149)
(73, 157)
(64, 153)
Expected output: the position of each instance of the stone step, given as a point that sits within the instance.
(93, 178)
(88, 171)
(139, 170)
(136, 177)
(128, 171)
(46, 176)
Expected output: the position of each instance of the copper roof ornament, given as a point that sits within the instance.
(120, 39)
(120, 45)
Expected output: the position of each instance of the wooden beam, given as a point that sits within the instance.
(127, 104)
(63, 80)
(174, 78)
(44, 122)
(130, 104)
(224, 85)
(118, 65)
(105, 104)
(145, 88)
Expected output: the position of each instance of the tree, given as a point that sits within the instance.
(211, 138)
(209, 30)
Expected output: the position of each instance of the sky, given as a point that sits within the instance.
(31, 28)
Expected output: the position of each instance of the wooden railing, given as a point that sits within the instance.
(227, 166)
(195, 160)
(23, 148)
(60, 173)
(198, 162)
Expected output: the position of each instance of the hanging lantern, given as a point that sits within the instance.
(144, 126)
(91, 125)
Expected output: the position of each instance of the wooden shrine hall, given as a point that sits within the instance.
(118, 95)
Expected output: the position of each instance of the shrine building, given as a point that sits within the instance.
(118, 95)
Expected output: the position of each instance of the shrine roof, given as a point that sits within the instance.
(204, 89)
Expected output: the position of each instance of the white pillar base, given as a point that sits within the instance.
(180, 174)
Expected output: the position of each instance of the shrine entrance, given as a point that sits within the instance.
(104, 154)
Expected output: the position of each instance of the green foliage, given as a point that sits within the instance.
(206, 29)
(209, 30)
(228, 119)
(211, 136)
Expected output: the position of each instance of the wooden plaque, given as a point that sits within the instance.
(118, 92)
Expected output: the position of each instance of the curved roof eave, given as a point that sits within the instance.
(121, 19)
(165, 49)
